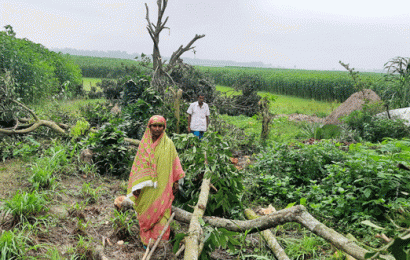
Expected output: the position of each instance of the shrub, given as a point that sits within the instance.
(224, 176)
(111, 88)
(97, 114)
(192, 82)
(138, 112)
(328, 132)
(110, 155)
(379, 128)
(361, 184)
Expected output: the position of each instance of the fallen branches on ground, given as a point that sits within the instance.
(194, 238)
(296, 214)
(269, 237)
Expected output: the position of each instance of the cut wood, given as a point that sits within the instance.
(296, 214)
(269, 237)
(193, 240)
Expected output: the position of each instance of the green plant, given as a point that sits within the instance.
(110, 155)
(217, 237)
(379, 128)
(24, 206)
(26, 148)
(80, 128)
(137, 113)
(224, 176)
(305, 248)
(97, 114)
(89, 194)
(124, 224)
(84, 249)
(15, 243)
(328, 132)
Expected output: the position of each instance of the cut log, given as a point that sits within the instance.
(192, 241)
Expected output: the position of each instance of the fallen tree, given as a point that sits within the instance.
(297, 214)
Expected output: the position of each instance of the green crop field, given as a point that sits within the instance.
(284, 104)
(318, 85)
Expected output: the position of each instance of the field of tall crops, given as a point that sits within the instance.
(96, 67)
(318, 85)
(311, 84)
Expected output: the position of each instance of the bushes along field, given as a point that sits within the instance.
(38, 72)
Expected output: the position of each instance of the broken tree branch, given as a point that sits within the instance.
(269, 237)
(193, 240)
(177, 54)
(296, 214)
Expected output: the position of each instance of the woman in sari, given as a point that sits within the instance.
(154, 179)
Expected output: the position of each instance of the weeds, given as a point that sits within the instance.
(25, 205)
(14, 244)
(90, 195)
(123, 223)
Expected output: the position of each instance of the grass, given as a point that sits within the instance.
(281, 129)
(70, 107)
(90, 82)
(289, 105)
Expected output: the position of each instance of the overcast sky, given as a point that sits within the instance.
(307, 34)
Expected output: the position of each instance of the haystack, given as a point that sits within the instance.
(354, 102)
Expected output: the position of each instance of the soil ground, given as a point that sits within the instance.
(61, 225)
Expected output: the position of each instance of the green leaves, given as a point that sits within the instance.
(224, 176)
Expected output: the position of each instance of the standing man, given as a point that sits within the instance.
(198, 117)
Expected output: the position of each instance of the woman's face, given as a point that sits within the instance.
(156, 130)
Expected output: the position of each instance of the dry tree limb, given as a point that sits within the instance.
(33, 127)
(192, 241)
(175, 56)
(270, 238)
(180, 251)
(160, 236)
(147, 251)
(296, 214)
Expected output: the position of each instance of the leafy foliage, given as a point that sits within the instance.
(224, 176)
(109, 152)
(192, 82)
(15, 243)
(111, 88)
(373, 128)
(24, 206)
(363, 183)
(38, 72)
(247, 102)
(137, 113)
(97, 114)
(124, 224)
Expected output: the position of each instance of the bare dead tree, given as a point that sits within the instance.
(161, 75)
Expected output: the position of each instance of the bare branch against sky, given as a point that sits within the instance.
(306, 34)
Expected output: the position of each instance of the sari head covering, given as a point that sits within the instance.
(156, 167)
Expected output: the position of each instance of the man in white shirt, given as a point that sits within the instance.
(198, 117)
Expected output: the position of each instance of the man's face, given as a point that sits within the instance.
(201, 100)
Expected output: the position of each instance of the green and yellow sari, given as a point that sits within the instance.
(156, 167)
